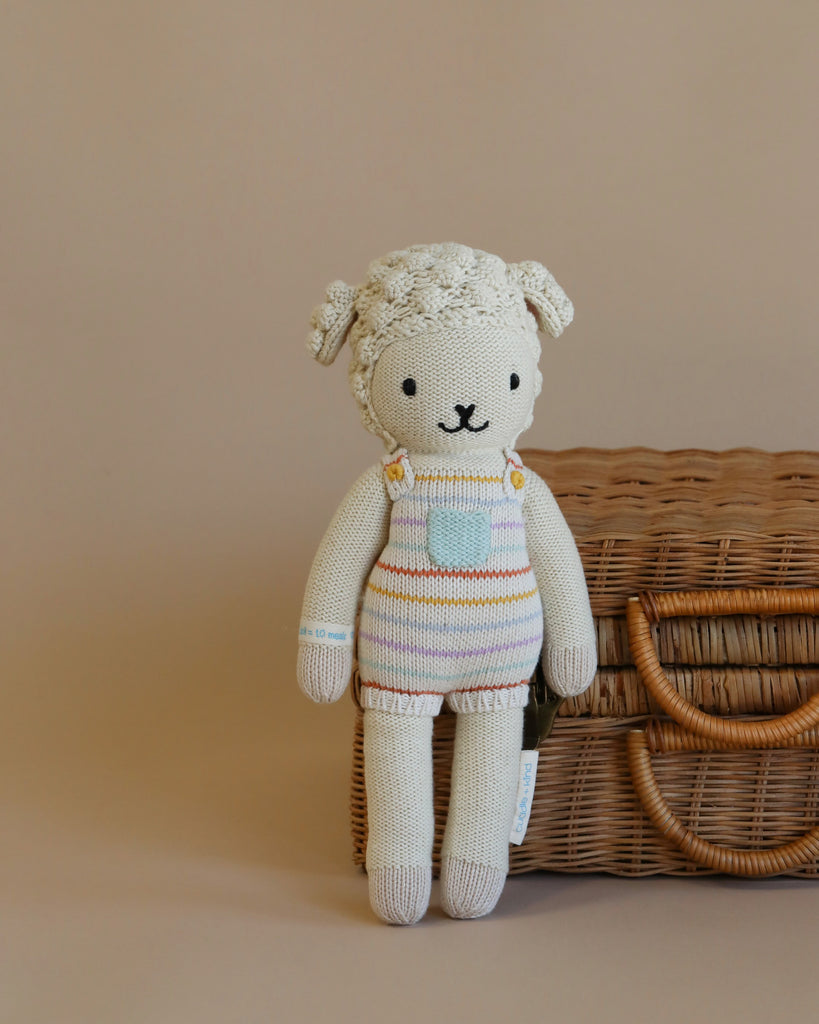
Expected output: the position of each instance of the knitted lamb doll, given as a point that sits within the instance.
(454, 557)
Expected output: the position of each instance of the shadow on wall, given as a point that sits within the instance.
(178, 724)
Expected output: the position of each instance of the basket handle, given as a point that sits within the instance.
(651, 607)
(752, 863)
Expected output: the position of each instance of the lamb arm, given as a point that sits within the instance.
(570, 647)
(354, 539)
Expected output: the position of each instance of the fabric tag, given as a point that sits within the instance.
(329, 634)
(526, 792)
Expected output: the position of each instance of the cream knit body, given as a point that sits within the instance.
(431, 551)
(451, 609)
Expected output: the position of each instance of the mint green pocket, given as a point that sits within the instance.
(458, 540)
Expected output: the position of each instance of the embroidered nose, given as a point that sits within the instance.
(464, 416)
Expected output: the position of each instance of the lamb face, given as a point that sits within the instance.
(455, 391)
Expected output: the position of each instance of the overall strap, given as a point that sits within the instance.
(398, 475)
(514, 477)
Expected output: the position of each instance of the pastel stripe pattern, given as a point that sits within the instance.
(403, 676)
(469, 632)
(418, 548)
(442, 627)
(463, 602)
(447, 652)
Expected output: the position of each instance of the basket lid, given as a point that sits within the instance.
(632, 493)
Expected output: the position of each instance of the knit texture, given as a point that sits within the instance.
(570, 670)
(462, 395)
(437, 288)
(456, 559)
(475, 853)
(323, 672)
(470, 890)
(570, 644)
(400, 895)
(356, 534)
(347, 551)
(451, 606)
(398, 779)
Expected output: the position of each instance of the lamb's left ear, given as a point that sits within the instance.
(331, 322)
(544, 296)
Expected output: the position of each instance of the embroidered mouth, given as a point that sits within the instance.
(465, 414)
(463, 426)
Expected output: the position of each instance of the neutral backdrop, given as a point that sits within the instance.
(178, 183)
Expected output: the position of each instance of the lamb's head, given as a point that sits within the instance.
(445, 346)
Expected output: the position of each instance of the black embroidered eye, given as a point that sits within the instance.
(408, 387)
(514, 382)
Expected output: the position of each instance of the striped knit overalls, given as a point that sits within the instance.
(451, 608)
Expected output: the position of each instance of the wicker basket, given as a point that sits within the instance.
(740, 529)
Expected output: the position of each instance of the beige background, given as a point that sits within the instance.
(178, 182)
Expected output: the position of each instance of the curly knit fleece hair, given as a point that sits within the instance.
(428, 290)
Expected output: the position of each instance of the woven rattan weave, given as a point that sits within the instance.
(666, 522)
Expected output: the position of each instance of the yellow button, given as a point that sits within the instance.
(395, 471)
(517, 479)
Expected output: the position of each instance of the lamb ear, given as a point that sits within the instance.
(331, 321)
(544, 296)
